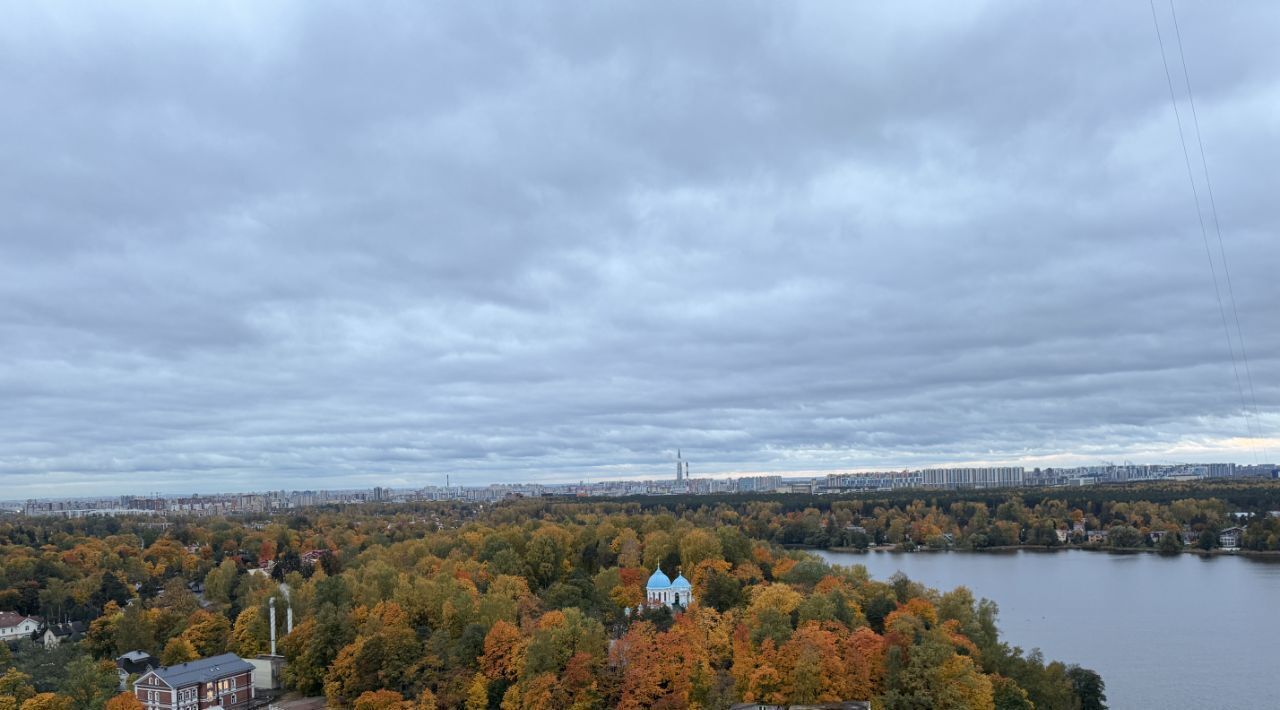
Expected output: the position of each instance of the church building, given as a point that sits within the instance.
(664, 591)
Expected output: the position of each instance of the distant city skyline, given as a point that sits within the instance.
(316, 246)
(934, 478)
(453, 479)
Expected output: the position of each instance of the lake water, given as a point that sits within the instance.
(1164, 632)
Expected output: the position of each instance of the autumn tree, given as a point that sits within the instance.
(381, 660)
(381, 700)
(478, 693)
(923, 667)
(251, 634)
(221, 580)
(503, 652)
(16, 685)
(1008, 695)
(557, 637)
(629, 591)
(627, 547)
(178, 650)
(208, 633)
(769, 613)
(49, 701)
(89, 683)
(124, 701)
(811, 665)
(714, 584)
(135, 630)
(546, 555)
(101, 636)
(638, 655)
(426, 700)
(697, 546)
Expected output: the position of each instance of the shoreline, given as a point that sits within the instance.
(1041, 548)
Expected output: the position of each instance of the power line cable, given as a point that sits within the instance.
(1204, 232)
(1217, 226)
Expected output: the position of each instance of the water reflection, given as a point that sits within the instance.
(1164, 632)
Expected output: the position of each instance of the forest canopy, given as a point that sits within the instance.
(539, 603)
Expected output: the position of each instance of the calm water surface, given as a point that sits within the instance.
(1164, 632)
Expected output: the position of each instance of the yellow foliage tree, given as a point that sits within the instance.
(627, 547)
(382, 700)
(699, 573)
(811, 667)
(427, 700)
(16, 686)
(698, 545)
(208, 633)
(478, 693)
(962, 685)
(178, 650)
(48, 701)
(251, 635)
(777, 597)
(123, 701)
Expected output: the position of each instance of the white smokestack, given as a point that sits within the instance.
(272, 605)
(288, 620)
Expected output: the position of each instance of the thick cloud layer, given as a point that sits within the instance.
(300, 245)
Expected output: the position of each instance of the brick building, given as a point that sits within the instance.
(224, 681)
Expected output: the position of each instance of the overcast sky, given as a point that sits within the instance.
(298, 245)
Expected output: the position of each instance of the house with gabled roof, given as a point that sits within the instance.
(14, 626)
(135, 663)
(54, 634)
(224, 682)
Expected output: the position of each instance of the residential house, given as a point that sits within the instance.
(55, 634)
(1097, 536)
(1229, 539)
(311, 557)
(224, 681)
(134, 663)
(264, 568)
(15, 626)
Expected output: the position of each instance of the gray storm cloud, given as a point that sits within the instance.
(308, 244)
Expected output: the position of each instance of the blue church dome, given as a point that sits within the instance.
(658, 580)
(681, 583)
